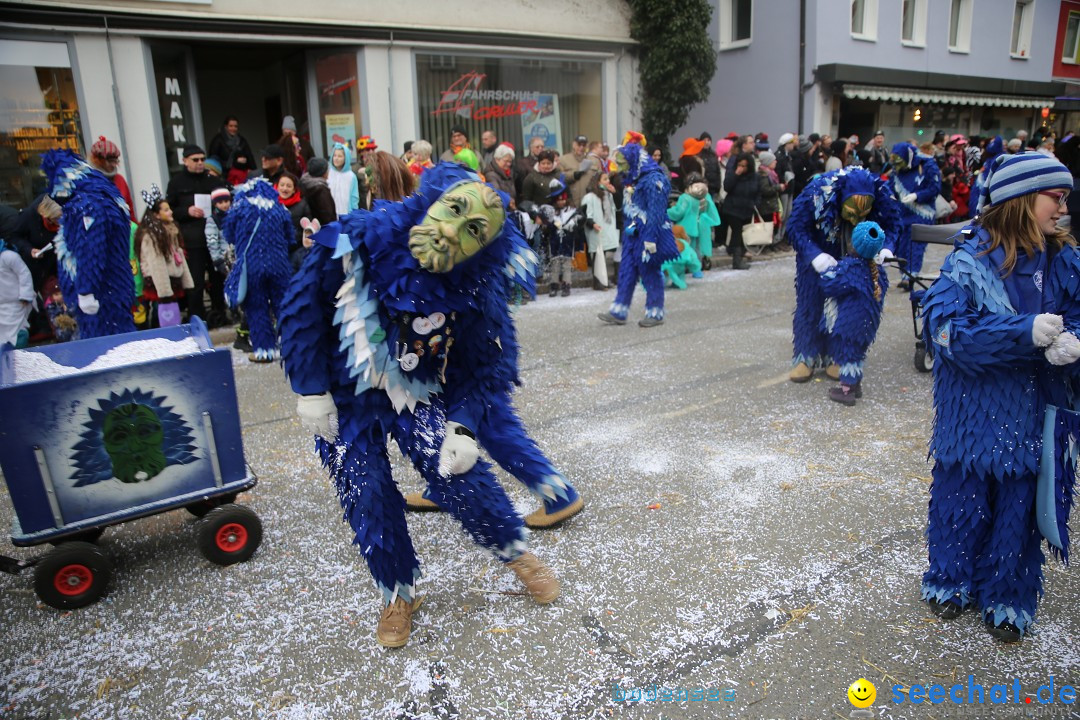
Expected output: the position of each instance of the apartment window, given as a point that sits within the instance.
(1023, 19)
(736, 23)
(864, 19)
(1070, 51)
(913, 23)
(960, 26)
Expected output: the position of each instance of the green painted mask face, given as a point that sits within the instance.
(464, 219)
(620, 162)
(898, 162)
(133, 438)
(856, 208)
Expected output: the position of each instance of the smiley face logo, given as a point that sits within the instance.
(862, 693)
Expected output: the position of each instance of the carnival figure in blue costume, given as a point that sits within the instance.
(261, 229)
(819, 229)
(854, 292)
(421, 347)
(647, 241)
(995, 147)
(1003, 357)
(917, 183)
(93, 246)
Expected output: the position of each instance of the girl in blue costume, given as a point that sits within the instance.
(819, 230)
(647, 239)
(422, 348)
(1003, 353)
(93, 246)
(917, 182)
(855, 295)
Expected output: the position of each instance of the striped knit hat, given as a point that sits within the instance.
(1014, 175)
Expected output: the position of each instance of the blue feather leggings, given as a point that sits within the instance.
(913, 252)
(809, 340)
(375, 509)
(260, 308)
(631, 270)
(984, 545)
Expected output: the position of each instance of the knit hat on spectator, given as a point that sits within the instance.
(317, 167)
(212, 163)
(785, 139)
(460, 129)
(1012, 176)
(218, 194)
(723, 147)
(804, 145)
(273, 150)
(105, 148)
(958, 139)
(692, 146)
(193, 149)
(732, 136)
(766, 158)
(866, 239)
(288, 123)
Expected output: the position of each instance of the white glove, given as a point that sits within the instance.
(650, 247)
(1064, 350)
(1045, 328)
(89, 304)
(318, 414)
(459, 452)
(883, 255)
(909, 198)
(823, 262)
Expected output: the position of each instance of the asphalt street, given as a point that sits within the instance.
(742, 535)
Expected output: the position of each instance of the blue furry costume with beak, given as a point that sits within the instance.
(389, 307)
(93, 249)
(816, 226)
(261, 229)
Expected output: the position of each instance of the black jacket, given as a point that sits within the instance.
(712, 170)
(742, 192)
(317, 195)
(183, 187)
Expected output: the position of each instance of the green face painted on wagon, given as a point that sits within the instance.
(464, 219)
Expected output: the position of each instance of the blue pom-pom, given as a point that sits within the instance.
(867, 238)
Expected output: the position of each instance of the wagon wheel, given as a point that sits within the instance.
(924, 360)
(202, 507)
(73, 575)
(229, 534)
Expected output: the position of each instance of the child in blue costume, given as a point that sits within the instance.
(421, 347)
(93, 246)
(647, 240)
(1002, 354)
(917, 183)
(261, 229)
(854, 292)
(819, 230)
(696, 212)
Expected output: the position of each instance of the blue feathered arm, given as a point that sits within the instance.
(308, 335)
(930, 188)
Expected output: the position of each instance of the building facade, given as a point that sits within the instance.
(153, 76)
(908, 67)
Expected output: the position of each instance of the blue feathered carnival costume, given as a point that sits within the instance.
(854, 292)
(93, 245)
(817, 226)
(261, 229)
(917, 187)
(647, 241)
(992, 387)
(414, 354)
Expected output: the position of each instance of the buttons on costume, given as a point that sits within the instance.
(437, 320)
(422, 326)
(409, 361)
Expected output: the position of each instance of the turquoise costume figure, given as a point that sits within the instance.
(93, 248)
(696, 212)
(917, 183)
(261, 230)
(819, 230)
(687, 262)
(854, 292)
(1003, 355)
(398, 324)
(647, 239)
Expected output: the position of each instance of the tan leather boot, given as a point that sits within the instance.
(396, 622)
(801, 373)
(833, 371)
(537, 578)
(416, 502)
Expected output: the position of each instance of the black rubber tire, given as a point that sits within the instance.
(924, 361)
(202, 507)
(81, 567)
(229, 534)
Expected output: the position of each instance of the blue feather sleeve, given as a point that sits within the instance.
(306, 322)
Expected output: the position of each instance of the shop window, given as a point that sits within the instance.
(339, 100)
(39, 111)
(864, 19)
(736, 23)
(1070, 50)
(1023, 19)
(960, 26)
(517, 98)
(913, 23)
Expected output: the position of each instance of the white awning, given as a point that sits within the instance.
(943, 97)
